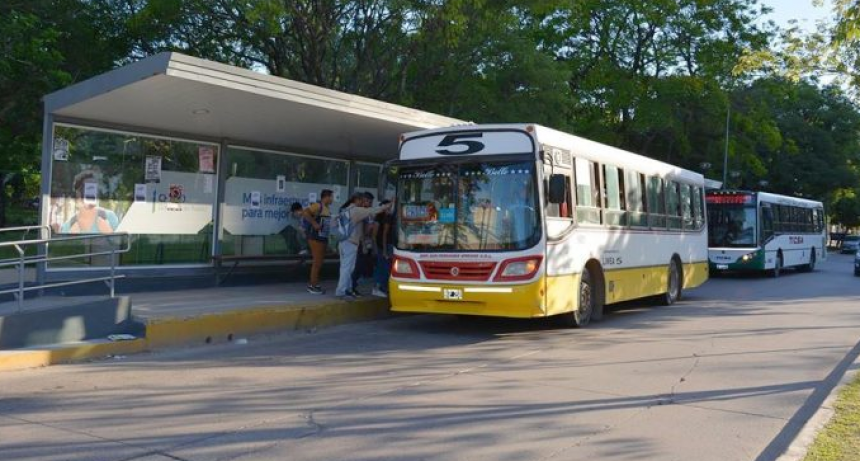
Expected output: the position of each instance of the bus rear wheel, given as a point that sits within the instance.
(673, 285)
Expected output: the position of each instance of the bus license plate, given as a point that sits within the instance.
(453, 294)
(722, 267)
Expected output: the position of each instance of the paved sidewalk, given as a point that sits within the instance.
(202, 316)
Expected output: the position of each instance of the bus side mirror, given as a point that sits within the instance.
(557, 186)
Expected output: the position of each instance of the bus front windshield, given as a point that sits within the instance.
(469, 206)
(731, 226)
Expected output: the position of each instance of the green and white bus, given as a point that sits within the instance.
(759, 231)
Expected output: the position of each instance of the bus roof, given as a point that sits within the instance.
(579, 147)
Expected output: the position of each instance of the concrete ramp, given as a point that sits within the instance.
(56, 320)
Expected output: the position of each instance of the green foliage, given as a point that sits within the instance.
(806, 138)
(655, 77)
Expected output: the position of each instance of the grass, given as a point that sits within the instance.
(840, 438)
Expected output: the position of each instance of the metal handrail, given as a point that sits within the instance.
(45, 227)
(22, 260)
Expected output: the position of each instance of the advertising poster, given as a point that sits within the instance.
(280, 183)
(140, 192)
(206, 155)
(61, 150)
(255, 199)
(152, 169)
(79, 211)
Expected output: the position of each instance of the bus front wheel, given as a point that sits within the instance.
(777, 268)
(589, 306)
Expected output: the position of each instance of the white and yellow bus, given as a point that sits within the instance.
(525, 221)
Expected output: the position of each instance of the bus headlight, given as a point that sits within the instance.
(749, 256)
(405, 268)
(519, 269)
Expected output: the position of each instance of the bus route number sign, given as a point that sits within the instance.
(796, 240)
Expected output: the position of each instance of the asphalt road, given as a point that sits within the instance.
(729, 373)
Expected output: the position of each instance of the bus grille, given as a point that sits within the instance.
(443, 270)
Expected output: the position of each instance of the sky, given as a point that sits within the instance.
(802, 10)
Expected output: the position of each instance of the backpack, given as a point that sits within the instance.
(323, 221)
(343, 225)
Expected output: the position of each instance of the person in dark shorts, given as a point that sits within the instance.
(317, 219)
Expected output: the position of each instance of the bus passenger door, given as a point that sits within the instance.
(388, 176)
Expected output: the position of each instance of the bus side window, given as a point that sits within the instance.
(766, 223)
(818, 220)
(698, 210)
(795, 218)
(777, 219)
(614, 180)
(686, 207)
(587, 208)
(563, 209)
(635, 207)
(597, 181)
(656, 203)
(673, 205)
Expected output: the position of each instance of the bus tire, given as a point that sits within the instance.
(674, 284)
(589, 301)
(809, 267)
(777, 269)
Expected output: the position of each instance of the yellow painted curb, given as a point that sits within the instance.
(52, 355)
(218, 327)
(208, 328)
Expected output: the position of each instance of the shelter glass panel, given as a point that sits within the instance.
(161, 191)
(260, 190)
(367, 179)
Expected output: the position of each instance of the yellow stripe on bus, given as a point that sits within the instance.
(545, 296)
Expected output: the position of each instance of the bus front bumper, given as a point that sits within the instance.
(752, 261)
(517, 301)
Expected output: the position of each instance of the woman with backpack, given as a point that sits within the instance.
(317, 220)
(350, 233)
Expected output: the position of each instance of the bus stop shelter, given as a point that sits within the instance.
(198, 160)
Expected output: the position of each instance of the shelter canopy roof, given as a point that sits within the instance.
(177, 94)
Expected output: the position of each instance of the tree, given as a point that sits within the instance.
(44, 46)
(804, 140)
(628, 55)
(845, 38)
(846, 209)
(29, 68)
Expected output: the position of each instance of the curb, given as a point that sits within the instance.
(799, 447)
(215, 328)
